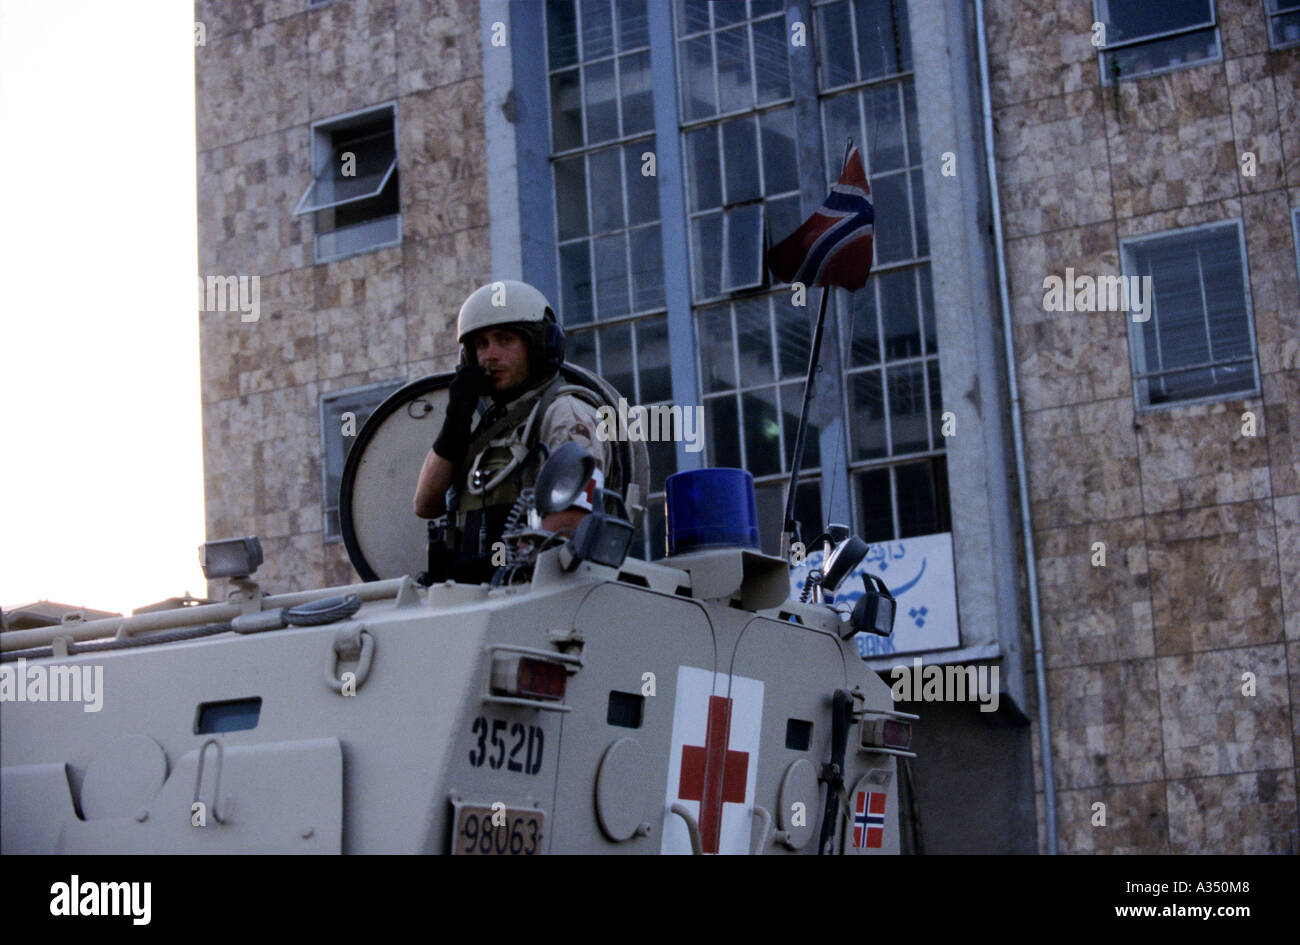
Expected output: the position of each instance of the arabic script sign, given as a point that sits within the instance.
(919, 573)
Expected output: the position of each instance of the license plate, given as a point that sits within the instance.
(484, 831)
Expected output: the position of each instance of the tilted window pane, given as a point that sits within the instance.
(706, 265)
(780, 159)
(771, 60)
(647, 268)
(611, 276)
(571, 197)
(698, 98)
(606, 190)
(717, 368)
(783, 217)
(561, 33)
(602, 102)
(566, 110)
(743, 236)
(633, 25)
(762, 432)
(705, 168)
(597, 29)
(740, 155)
(575, 283)
(835, 43)
(642, 187)
(735, 90)
(638, 101)
(867, 415)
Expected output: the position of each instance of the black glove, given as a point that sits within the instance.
(470, 383)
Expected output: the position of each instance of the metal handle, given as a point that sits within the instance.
(216, 788)
(347, 645)
(765, 824)
(692, 828)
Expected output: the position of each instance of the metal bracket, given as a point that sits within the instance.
(216, 788)
(765, 824)
(693, 828)
(353, 644)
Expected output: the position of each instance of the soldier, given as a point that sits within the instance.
(511, 349)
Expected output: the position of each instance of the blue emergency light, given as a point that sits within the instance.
(711, 508)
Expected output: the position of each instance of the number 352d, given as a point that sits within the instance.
(512, 745)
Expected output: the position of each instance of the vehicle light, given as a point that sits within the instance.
(886, 733)
(528, 677)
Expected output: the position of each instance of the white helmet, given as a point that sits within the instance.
(516, 305)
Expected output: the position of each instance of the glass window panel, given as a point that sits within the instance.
(1126, 20)
(771, 60)
(840, 115)
(575, 282)
(1129, 61)
(936, 403)
(652, 360)
(706, 171)
(647, 268)
(762, 432)
(866, 415)
(566, 110)
(877, 37)
(616, 360)
(793, 341)
(1286, 29)
(864, 338)
(663, 461)
(561, 33)
(580, 348)
(835, 39)
(642, 188)
(754, 342)
(611, 276)
(918, 214)
(734, 89)
(922, 498)
(633, 26)
(907, 416)
(722, 424)
(913, 125)
(717, 368)
(893, 230)
(740, 154)
(783, 217)
(638, 102)
(727, 12)
(780, 160)
(769, 502)
(898, 314)
(791, 404)
(707, 245)
(875, 506)
(927, 313)
(698, 99)
(743, 235)
(764, 7)
(884, 114)
(807, 508)
(1224, 291)
(694, 16)
(606, 190)
(571, 197)
(602, 102)
(597, 29)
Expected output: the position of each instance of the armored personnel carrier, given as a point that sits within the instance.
(584, 702)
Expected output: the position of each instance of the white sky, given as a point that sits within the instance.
(101, 475)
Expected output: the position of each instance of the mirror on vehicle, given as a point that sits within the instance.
(562, 477)
(847, 555)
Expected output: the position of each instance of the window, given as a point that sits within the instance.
(342, 415)
(1198, 343)
(1145, 37)
(1283, 22)
(354, 195)
(737, 98)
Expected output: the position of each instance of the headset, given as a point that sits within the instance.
(551, 354)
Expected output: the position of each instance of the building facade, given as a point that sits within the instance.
(371, 163)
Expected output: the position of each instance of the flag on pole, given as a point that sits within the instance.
(833, 246)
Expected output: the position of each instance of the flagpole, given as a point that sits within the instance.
(789, 527)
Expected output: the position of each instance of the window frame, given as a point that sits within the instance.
(1109, 47)
(1134, 329)
(1270, 15)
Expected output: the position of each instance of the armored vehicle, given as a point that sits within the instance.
(584, 701)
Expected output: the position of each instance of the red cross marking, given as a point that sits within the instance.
(714, 775)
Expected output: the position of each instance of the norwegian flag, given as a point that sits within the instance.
(833, 246)
(869, 820)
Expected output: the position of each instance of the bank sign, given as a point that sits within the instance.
(919, 573)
